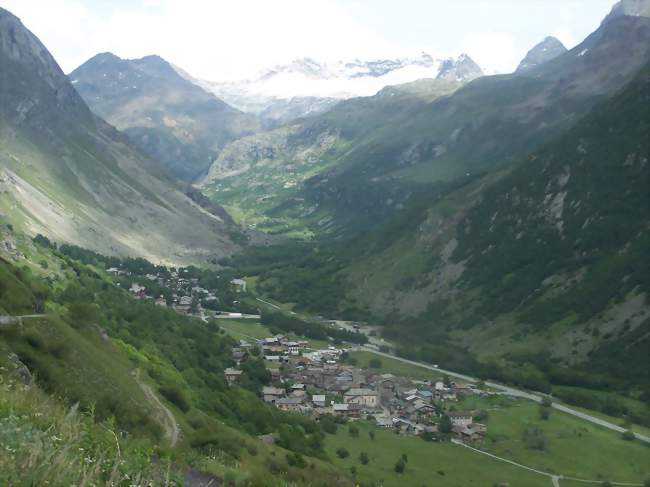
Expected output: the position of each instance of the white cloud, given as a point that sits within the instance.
(210, 39)
(494, 51)
(221, 39)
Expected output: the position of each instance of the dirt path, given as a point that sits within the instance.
(163, 415)
(555, 479)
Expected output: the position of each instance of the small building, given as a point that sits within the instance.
(268, 439)
(461, 418)
(272, 394)
(289, 403)
(346, 410)
(468, 433)
(232, 375)
(318, 400)
(239, 285)
(239, 355)
(362, 397)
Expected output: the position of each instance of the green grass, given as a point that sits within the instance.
(429, 464)
(45, 443)
(392, 366)
(575, 448)
(81, 367)
(244, 329)
(634, 405)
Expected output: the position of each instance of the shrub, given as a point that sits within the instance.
(329, 425)
(354, 431)
(535, 439)
(364, 458)
(34, 340)
(342, 452)
(296, 460)
(544, 412)
(374, 363)
(628, 435)
(445, 426)
(174, 395)
(400, 466)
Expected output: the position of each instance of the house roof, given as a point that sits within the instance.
(289, 401)
(360, 392)
(460, 414)
(318, 398)
(272, 391)
(231, 371)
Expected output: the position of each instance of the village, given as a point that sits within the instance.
(319, 382)
(183, 294)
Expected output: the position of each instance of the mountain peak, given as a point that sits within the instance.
(462, 69)
(629, 8)
(40, 92)
(548, 49)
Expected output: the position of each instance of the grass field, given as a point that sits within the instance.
(634, 405)
(574, 447)
(429, 464)
(244, 329)
(396, 367)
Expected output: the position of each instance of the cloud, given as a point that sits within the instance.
(494, 51)
(225, 39)
(210, 39)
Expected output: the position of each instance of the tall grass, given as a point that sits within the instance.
(44, 443)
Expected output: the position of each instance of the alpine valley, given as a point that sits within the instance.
(373, 272)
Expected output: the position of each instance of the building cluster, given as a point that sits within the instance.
(317, 383)
(186, 294)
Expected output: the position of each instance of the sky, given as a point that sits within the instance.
(235, 39)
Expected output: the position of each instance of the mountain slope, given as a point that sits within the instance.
(168, 117)
(262, 178)
(543, 264)
(358, 177)
(554, 251)
(68, 174)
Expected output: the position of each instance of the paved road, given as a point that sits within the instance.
(510, 391)
(7, 320)
(270, 304)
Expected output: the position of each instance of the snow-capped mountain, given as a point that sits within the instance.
(308, 86)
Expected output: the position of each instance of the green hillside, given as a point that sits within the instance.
(367, 160)
(135, 367)
(543, 265)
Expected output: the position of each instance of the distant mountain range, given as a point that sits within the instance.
(310, 86)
